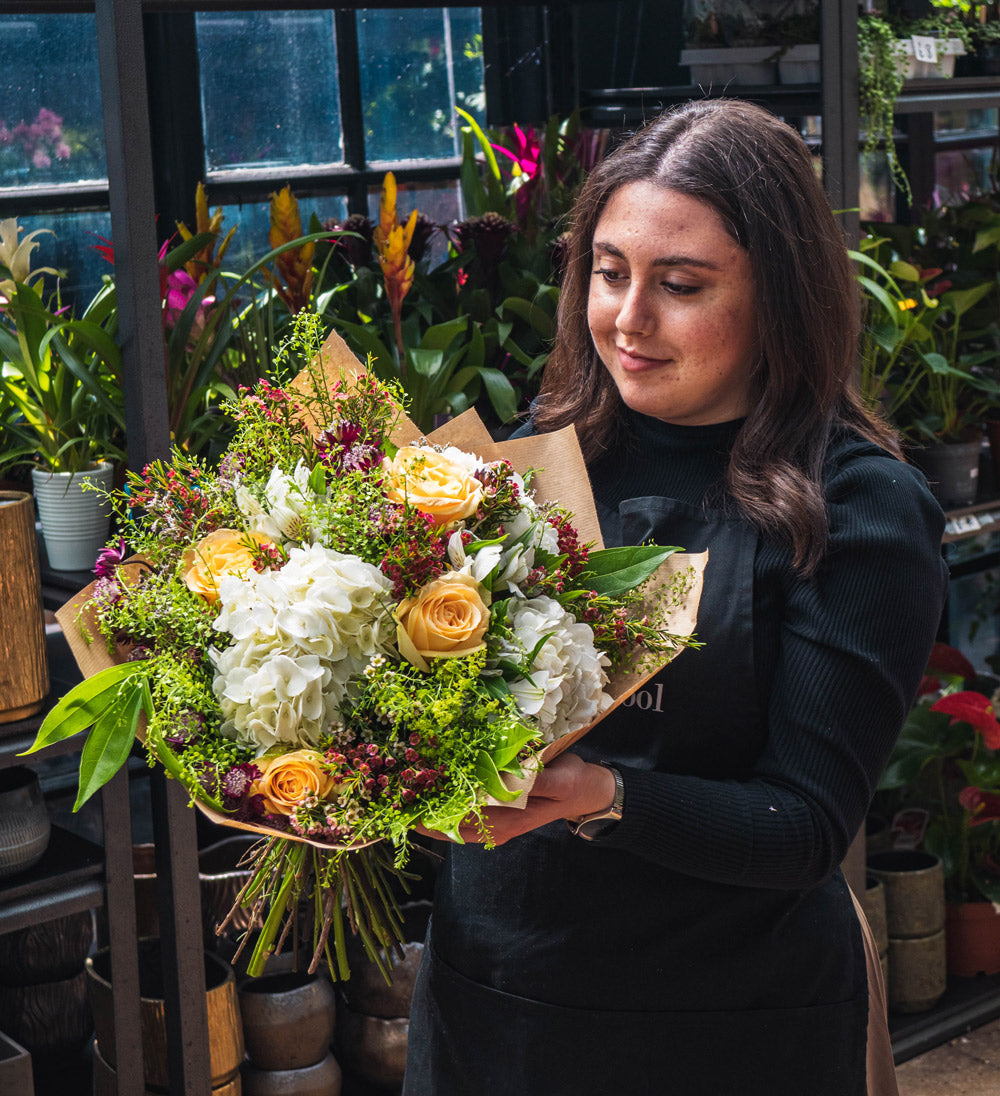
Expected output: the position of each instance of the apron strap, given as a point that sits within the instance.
(880, 1067)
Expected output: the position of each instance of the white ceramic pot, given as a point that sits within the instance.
(74, 521)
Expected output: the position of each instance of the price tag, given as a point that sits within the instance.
(925, 49)
(968, 523)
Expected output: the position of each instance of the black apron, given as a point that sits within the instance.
(559, 967)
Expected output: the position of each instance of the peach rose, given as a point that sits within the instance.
(429, 482)
(224, 552)
(448, 618)
(287, 779)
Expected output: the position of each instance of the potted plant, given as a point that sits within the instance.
(893, 48)
(725, 42)
(947, 764)
(60, 378)
(926, 364)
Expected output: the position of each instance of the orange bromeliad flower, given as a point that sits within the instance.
(294, 280)
(392, 242)
(199, 264)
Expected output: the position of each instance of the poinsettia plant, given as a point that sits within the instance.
(947, 761)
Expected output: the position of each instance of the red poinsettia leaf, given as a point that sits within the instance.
(974, 709)
(948, 660)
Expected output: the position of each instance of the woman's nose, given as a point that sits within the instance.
(634, 317)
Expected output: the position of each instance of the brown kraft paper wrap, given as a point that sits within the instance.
(559, 474)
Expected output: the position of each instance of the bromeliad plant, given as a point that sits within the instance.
(947, 762)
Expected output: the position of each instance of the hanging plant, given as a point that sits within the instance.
(880, 81)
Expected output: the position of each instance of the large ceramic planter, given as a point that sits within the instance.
(915, 917)
(75, 520)
(952, 471)
(24, 821)
(49, 1019)
(24, 669)
(972, 934)
(225, 1032)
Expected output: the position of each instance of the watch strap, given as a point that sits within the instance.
(589, 826)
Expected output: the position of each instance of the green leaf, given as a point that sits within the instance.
(83, 705)
(628, 568)
(110, 742)
(317, 480)
(501, 393)
(426, 362)
(489, 778)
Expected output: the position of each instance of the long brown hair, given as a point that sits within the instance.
(758, 175)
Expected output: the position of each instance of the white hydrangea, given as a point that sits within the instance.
(301, 634)
(286, 498)
(568, 674)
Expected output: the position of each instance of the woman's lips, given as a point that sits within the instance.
(632, 362)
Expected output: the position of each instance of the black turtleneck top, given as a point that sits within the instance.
(838, 658)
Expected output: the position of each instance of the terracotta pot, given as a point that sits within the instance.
(225, 1032)
(24, 821)
(914, 892)
(972, 931)
(288, 1019)
(47, 952)
(322, 1079)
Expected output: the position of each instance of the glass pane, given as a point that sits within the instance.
(269, 89)
(416, 66)
(51, 128)
(968, 123)
(961, 173)
(253, 222)
(68, 246)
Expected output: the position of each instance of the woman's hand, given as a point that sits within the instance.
(566, 788)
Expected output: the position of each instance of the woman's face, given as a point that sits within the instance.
(671, 307)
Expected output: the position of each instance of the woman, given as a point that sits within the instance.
(694, 935)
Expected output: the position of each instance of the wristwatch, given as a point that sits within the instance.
(589, 826)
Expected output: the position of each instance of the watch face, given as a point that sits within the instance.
(594, 827)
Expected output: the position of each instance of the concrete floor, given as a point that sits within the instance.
(967, 1066)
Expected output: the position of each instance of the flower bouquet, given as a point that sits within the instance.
(347, 630)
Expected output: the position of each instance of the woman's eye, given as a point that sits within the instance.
(609, 275)
(681, 289)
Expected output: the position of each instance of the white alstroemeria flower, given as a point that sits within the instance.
(479, 564)
(280, 513)
(568, 673)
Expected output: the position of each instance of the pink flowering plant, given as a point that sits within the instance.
(333, 638)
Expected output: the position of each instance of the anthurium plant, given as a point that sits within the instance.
(927, 353)
(947, 761)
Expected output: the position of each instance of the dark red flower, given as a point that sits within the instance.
(982, 805)
(948, 660)
(974, 709)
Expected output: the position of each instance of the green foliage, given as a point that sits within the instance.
(928, 349)
(60, 376)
